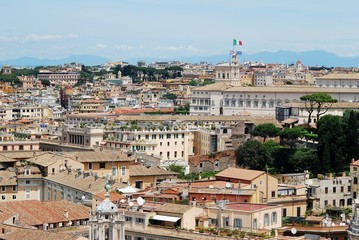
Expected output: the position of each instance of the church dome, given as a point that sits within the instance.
(106, 206)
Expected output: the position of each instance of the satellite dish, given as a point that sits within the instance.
(228, 185)
(130, 204)
(293, 231)
(210, 186)
(140, 201)
(122, 201)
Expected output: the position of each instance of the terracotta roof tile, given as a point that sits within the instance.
(87, 184)
(240, 173)
(31, 212)
(15, 233)
(7, 178)
(173, 208)
(140, 170)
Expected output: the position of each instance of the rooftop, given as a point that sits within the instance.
(347, 76)
(89, 184)
(140, 170)
(240, 173)
(32, 212)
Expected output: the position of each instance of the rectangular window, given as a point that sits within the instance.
(237, 223)
(334, 203)
(274, 217)
(3, 197)
(13, 197)
(3, 188)
(28, 194)
(284, 212)
(334, 189)
(123, 170)
(14, 188)
(240, 103)
(326, 190)
(266, 219)
(255, 223)
(140, 220)
(114, 170)
(355, 180)
(160, 136)
(225, 222)
(325, 203)
(273, 194)
(102, 165)
(90, 165)
(168, 136)
(27, 181)
(128, 219)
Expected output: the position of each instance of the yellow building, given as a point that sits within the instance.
(142, 177)
(105, 163)
(354, 173)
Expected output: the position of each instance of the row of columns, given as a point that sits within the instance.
(77, 139)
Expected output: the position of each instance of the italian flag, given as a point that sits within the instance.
(237, 42)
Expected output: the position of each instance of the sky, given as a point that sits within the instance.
(123, 29)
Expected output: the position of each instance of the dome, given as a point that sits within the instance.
(106, 206)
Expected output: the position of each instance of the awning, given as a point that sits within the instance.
(165, 218)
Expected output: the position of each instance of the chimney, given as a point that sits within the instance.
(66, 214)
(353, 160)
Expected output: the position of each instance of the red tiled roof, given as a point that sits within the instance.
(33, 212)
(240, 173)
(114, 196)
(16, 233)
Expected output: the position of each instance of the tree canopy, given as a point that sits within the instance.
(266, 130)
(322, 102)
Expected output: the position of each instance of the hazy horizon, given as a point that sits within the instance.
(178, 28)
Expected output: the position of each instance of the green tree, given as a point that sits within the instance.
(171, 96)
(175, 71)
(331, 139)
(351, 129)
(45, 82)
(116, 69)
(178, 169)
(131, 71)
(193, 83)
(305, 159)
(322, 102)
(266, 130)
(290, 136)
(253, 155)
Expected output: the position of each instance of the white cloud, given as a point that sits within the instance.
(123, 47)
(189, 48)
(99, 46)
(49, 37)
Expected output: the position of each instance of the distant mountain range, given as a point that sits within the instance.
(308, 58)
(89, 60)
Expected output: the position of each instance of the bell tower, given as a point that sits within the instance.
(107, 223)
